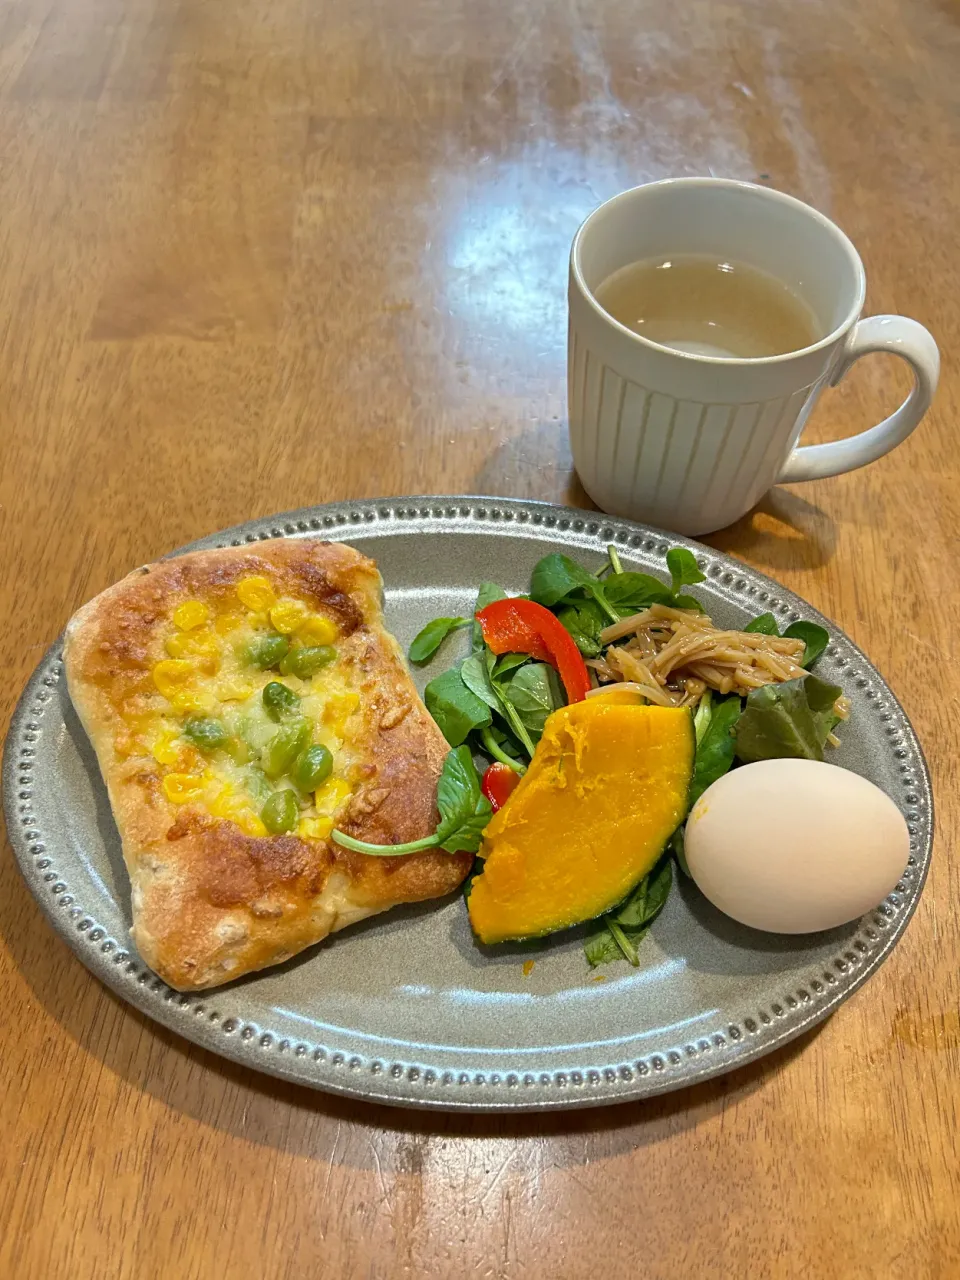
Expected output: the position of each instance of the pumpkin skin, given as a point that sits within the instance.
(605, 791)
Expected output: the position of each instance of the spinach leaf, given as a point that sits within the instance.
(492, 746)
(716, 748)
(703, 715)
(648, 899)
(766, 625)
(619, 933)
(556, 577)
(687, 602)
(464, 809)
(632, 592)
(822, 697)
(456, 709)
(600, 946)
(813, 636)
(679, 852)
(508, 662)
(464, 812)
(427, 642)
(584, 620)
(789, 720)
(477, 674)
(684, 570)
(489, 591)
(534, 693)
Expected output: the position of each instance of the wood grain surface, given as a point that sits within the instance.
(256, 254)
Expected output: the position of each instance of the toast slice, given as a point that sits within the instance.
(167, 670)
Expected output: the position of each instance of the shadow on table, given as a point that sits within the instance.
(292, 1118)
(782, 532)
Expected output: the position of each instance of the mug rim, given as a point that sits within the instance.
(770, 193)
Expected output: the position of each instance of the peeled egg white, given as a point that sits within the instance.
(795, 846)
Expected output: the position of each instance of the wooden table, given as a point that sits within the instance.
(256, 254)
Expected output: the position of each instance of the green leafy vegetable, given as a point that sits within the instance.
(534, 692)
(679, 851)
(455, 707)
(648, 899)
(813, 636)
(464, 812)
(716, 747)
(631, 592)
(508, 662)
(487, 593)
(789, 720)
(703, 715)
(684, 570)
(477, 674)
(766, 625)
(584, 620)
(464, 809)
(494, 748)
(556, 577)
(601, 947)
(427, 642)
(620, 932)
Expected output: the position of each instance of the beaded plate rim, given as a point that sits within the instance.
(214, 1020)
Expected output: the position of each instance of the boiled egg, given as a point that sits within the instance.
(795, 846)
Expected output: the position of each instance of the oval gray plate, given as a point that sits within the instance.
(405, 1008)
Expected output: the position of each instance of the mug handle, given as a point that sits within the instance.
(902, 337)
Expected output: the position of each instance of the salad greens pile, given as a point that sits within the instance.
(496, 707)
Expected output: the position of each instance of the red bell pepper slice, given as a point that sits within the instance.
(498, 784)
(522, 626)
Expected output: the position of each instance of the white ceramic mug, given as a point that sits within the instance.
(690, 442)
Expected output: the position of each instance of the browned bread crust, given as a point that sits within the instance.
(210, 902)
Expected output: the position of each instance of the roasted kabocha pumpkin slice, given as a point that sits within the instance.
(623, 694)
(606, 790)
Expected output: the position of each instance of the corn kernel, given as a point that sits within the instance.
(315, 828)
(256, 593)
(226, 804)
(331, 797)
(227, 622)
(165, 750)
(181, 788)
(190, 614)
(287, 615)
(317, 630)
(192, 702)
(233, 691)
(339, 709)
(250, 824)
(171, 674)
(202, 644)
